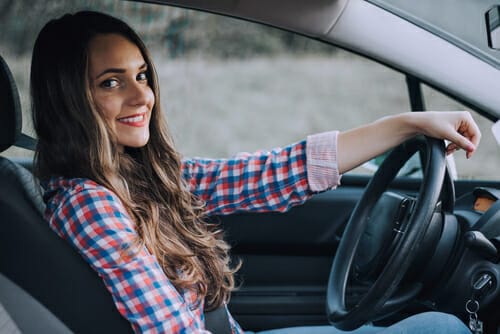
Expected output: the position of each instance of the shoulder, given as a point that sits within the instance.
(62, 188)
(82, 209)
(80, 194)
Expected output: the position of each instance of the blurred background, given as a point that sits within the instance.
(229, 86)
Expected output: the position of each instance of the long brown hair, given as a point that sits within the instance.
(74, 140)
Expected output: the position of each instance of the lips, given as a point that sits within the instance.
(136, 120)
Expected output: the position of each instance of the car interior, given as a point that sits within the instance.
(287, 278)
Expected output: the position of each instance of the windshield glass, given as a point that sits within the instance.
(461, 22)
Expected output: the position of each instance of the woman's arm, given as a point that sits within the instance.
(361, 144)
(282, 178)
(261, 181)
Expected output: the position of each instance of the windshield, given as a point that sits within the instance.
(461, 22)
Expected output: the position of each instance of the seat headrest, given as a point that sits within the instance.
(10, 108)
(11, 113)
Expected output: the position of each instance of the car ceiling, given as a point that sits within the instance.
(312, 18)
(364, 28)
(462, 22)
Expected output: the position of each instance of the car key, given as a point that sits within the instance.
(475, 325)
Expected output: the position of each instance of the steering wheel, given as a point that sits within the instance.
(384, 296)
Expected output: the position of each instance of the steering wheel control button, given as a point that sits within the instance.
(402, 215)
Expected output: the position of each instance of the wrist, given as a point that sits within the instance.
(413, 123)
(404, 126)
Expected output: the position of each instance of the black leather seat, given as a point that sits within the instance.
(34, 257)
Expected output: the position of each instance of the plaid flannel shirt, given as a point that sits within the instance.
(94, 221)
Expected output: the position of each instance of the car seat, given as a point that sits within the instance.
(31, 255)
(25, 314)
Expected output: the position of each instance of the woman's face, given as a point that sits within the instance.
(119, 85)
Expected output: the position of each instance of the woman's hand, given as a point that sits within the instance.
(457, 127)
(359, 145)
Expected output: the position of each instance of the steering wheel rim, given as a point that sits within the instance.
(380, 298)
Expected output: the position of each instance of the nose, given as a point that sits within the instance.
(140, 93)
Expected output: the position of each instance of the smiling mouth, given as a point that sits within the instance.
(133, 120)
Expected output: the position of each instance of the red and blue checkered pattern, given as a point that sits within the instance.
(263, 181)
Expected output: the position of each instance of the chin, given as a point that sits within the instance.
(137, 143)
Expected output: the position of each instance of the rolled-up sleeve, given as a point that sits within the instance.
(322, 166)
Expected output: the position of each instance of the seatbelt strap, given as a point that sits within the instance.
(217, 321)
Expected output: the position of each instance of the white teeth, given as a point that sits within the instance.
(134, 119)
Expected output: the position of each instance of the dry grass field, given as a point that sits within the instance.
(217, 108)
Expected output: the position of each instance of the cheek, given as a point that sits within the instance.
(109, 107)
(151, 97)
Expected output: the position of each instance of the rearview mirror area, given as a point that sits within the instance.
(493, 27)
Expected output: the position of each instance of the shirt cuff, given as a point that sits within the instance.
(322, 166)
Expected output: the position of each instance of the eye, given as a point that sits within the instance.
(109, 83)
(143, 76)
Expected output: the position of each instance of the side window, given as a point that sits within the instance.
(229, 86)
(273, 89)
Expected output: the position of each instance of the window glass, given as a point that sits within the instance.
(229, 85)
(274, 89)
(219, 107)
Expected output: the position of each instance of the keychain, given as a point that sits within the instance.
(475, 325)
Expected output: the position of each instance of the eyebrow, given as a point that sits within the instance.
(118, 70)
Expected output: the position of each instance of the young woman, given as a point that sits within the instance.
(118, 191)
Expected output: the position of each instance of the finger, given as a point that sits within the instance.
(467, 129)
(460, 141)
(451, 148)
(470, 130)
